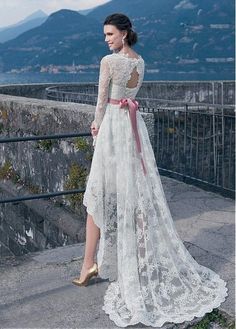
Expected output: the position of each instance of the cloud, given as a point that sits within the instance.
(54, 5)
(185, 4)
(14, 11)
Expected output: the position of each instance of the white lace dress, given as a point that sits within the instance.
(153, 277)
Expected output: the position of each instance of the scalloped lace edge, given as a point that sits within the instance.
(139, 319)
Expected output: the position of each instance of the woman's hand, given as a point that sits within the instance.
(94, 129)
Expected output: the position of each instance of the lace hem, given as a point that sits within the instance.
(106, 257)
(149, 319)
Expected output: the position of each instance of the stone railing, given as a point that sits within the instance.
(212, 92)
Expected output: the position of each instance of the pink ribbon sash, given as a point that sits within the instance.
(132, 105)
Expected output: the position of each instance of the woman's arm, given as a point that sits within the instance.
(103, 90)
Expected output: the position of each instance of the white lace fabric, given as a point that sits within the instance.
(120, 78)
(154, 279)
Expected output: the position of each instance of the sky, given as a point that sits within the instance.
(13, 11)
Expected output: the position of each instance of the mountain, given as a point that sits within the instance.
(66, 36)
(180, 32)
(37, 14)
(31, 21)
(85, 11)
(174, 36)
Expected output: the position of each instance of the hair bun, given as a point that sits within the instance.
(132, 37)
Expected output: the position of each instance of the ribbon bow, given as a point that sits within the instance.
(132, 105)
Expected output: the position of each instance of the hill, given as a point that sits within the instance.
(170, 31)
(31, 21)
(174, 36)
(66, 36)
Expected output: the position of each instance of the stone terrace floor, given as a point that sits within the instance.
(36, 289)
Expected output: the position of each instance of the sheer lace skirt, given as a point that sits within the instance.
(154, 277)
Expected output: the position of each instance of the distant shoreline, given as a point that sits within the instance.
(21, 78)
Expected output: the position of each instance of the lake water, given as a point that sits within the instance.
(22, 78)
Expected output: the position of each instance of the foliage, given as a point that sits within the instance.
(76, 180)
(83, 145)
(45, 144)
(216, 317)
(7, 172)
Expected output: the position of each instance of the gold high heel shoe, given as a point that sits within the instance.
(93, 271)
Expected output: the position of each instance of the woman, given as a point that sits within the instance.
(154, 277)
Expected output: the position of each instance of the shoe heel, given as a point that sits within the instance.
(86, 280)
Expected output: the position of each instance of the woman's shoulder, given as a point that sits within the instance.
(116, 61)
(120, 56)
(106, 60)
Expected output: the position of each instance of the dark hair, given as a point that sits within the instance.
(122, 23)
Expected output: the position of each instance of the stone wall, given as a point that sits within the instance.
(36, 90)
(27, 90)
(212, 92)
(34, 225)
(40, 166)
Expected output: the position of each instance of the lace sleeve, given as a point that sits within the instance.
(103, 89)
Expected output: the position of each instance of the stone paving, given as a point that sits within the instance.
(36, 289)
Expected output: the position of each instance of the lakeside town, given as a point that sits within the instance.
(54, 69)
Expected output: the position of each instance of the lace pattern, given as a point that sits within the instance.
(103, 90)
(154, 279)
(109, 76)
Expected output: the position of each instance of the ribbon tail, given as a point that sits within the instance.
(132, 111)
(143, 165)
